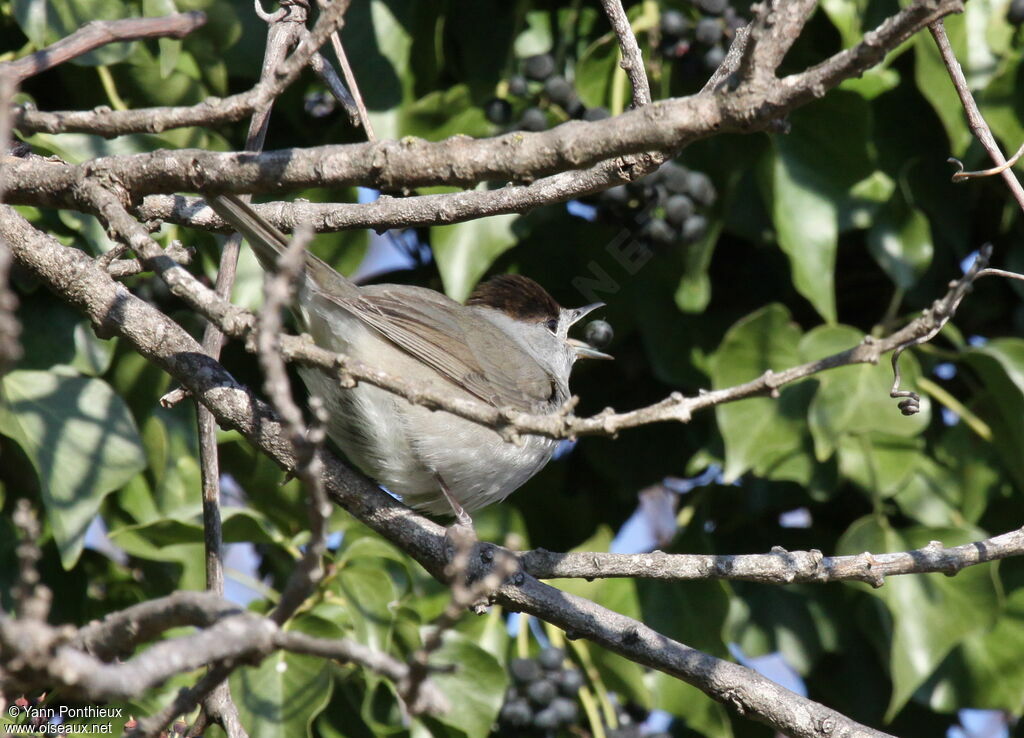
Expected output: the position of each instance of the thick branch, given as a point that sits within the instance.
(408, 212)
(742, 689)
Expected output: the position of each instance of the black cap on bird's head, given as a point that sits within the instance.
(522, 299)
(517, 296)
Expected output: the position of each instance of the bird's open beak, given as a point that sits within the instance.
(582, 312)
(585, 351)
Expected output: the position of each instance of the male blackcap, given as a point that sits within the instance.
(507, 346)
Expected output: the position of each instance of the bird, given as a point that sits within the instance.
(507, 346)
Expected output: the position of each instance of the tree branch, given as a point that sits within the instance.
(975, 119)
(778, 567)
(632, 59)
(97, 33)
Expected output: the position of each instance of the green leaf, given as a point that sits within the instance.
(536, 38)
(82, 442)
(47, 21)
(878, 462)
(846, 17)
(759, 431)
(368, 592)
(810, 202)
(170, 48)
(595, 71)
(901, 242)
(1000, 366)
(465, 251)
(699, 712)
(932, 496)
(934, 84)
(444, 113)
(378, 43)
(283, 695)
(987, 669)
(855, 399)
(872, 83)
(476, 687)
(931, 613)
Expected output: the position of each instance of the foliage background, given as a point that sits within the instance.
(846, 225)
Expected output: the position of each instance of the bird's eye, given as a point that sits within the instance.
(552, 325)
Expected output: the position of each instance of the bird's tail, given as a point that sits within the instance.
(267, 242)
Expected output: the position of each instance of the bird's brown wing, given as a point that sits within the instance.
(460, 345)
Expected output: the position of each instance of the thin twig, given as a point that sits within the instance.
(31, 597)
(10, 328)
(632, 59)
(961, 175)
(97, 33)
(306, 442)
(777, 567)
(974, 117)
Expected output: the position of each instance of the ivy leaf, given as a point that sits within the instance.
(475, 688)
(759, 431)
(465, 251)
(931, 613)
(901, 242)
(81, 440)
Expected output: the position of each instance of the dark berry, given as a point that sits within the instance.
(541, 692)
(566, 709)
(516, 713)
(518, 86)
(695, 228)
(593, 114)
(570, 681)
(673, 24)
(660, 232)
(551, 658)
(714, 58)
(713, 7)
(598, 333)
(524, 671)
(539, 67)
(575, 108)
(677, 209)
(546, 719)
(700, 188)
(534, 119)
(498, 111)
(708, 32)
(674, 176)
(560, 91)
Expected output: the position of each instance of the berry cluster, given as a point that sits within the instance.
(708, 36)
(542, 697)
(663, 208)
(539, 93)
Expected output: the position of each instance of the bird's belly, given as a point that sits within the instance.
(475, 463)
(407, 448)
